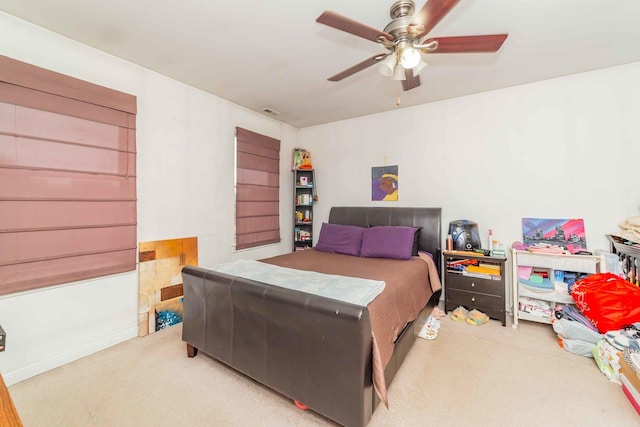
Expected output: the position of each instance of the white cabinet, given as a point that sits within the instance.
(534, 303)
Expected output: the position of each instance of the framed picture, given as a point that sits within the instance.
(568, 233)
(384, 183)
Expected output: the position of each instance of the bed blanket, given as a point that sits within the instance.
(353, 290)
(408, 286)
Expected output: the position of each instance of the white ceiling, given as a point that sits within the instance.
(273, 54)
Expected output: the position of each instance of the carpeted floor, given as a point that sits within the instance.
(485, 375)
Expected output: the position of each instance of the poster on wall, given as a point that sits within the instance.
(384, 183)
(567, 233)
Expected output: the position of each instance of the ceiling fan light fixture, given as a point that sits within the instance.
(410, 57)
(387, 66)
(419, 68)
(405, 40)
(398, 72)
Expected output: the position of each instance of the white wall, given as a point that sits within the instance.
(561, 148)
(185, 141)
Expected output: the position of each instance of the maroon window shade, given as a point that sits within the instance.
(67, 179)
(257, 189)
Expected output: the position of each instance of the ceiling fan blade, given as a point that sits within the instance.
(358, 67)
(432, 12)
(410, 80)
(464, 44)
(351, 26)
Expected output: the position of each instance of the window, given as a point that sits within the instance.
(67, 179)
(257, 189)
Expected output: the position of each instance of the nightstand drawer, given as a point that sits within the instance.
(473, 299)
(473, 284)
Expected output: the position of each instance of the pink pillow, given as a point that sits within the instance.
(340, 239)
(395, 242)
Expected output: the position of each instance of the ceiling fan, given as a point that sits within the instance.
(405, 39)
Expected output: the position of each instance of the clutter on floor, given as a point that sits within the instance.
(438, 313)
(630, 378)
(430, 329)
(477, 318)
(459, 314)
(604, 324)
(473, 317)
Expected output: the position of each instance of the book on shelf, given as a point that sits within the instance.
(480, 275)
(303, 199)
(535, 307)
(454, 252)
(483, 270)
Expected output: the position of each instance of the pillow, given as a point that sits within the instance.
(416, 239)
(340, 239)
(395, 242)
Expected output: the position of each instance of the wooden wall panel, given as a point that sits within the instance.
(160, 273)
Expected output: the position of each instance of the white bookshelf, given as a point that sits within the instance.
(551, 263)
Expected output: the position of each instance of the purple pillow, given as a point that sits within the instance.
(394, 242)
(340, 239)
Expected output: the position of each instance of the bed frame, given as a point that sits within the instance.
(314, 350)
(629, 256)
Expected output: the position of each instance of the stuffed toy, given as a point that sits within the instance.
(302, 159)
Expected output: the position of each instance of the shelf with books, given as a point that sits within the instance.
(481, 268)
(304, 198)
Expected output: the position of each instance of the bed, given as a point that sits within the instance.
(327, 354)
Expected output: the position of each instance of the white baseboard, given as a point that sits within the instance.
(13, 377)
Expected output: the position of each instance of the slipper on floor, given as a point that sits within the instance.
(437, 313)
(432, 323)
(459, 314)
(428, 333)
(477, 318)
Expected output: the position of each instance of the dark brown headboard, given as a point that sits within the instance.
(428, 218)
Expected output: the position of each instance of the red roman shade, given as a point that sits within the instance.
(67, 179)
(257, 189)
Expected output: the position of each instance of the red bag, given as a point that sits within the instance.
(607, 300)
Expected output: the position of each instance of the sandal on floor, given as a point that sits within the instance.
(428, 333)
(459, 314)
(477, 318)
(432, 323)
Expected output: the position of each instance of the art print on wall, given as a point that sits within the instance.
(568, 233)
(384, 183)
